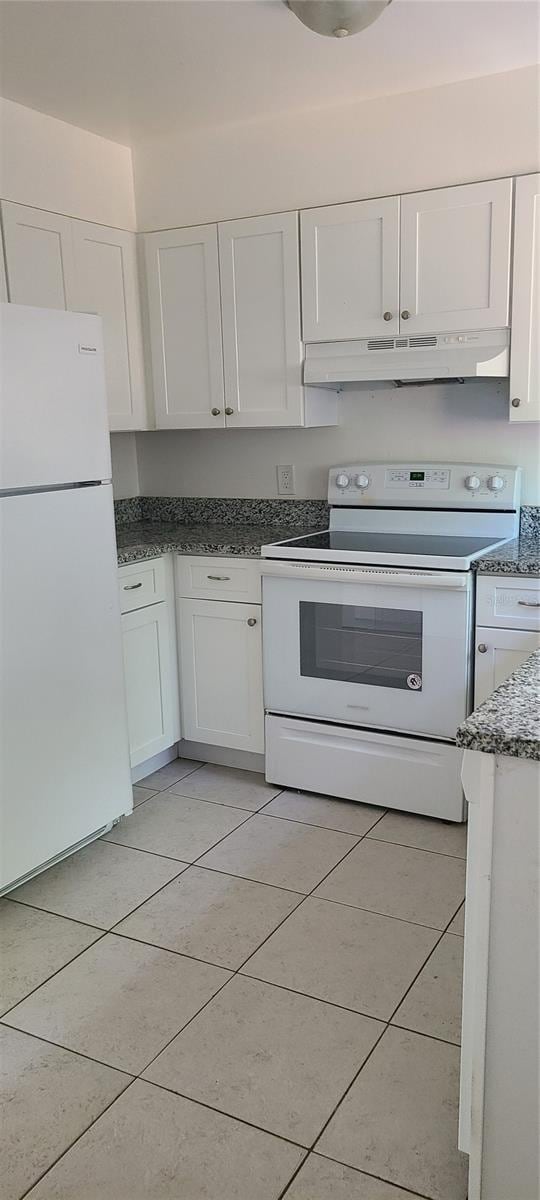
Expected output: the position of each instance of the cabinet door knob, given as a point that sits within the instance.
(482, 649)
(229, 412)
(252, 621)
(387, 316)
(405, 314)
(216, 412)
(516, 402)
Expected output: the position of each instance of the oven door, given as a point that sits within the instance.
(368, 646)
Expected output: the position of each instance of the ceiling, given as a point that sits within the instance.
(136, 69)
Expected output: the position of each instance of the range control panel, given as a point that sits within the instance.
(425, 485)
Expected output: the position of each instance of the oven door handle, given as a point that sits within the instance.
(379, 576)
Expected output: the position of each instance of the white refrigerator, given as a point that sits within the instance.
(64, 756)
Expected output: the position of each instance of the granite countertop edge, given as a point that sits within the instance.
(520, 556)
(141, 541)
(509, 721)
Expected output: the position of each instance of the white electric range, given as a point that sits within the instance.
(367, 632)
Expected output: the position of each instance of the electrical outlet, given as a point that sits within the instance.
(285, 481)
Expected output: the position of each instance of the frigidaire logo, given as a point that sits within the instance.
(87, 349)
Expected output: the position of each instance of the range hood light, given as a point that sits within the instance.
(337, 18)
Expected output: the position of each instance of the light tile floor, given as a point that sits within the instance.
(240, 993)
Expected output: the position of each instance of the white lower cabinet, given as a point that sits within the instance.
(220, 655)
(499, 652)
(507, 628)
(150, 669)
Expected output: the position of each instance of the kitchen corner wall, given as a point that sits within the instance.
(52, 165)
(477, 129)
(125, 468)
(451, 422)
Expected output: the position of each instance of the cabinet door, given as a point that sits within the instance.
(221, 673)
(505, 650)
(525, 346)
(151, 681)
(185, 327)
(455, 258)
(260, 290)
(106, 283)
(39, 257)
(350, 270)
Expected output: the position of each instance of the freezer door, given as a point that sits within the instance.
(64, 758)
(53, 415)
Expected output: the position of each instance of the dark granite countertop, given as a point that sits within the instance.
(509, 722)
(521, 556)
(138, 540)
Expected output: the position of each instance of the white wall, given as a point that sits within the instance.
(52, 165)
(450, 422)
(477, 129)
(125, 471)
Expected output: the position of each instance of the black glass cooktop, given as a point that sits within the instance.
(438, 545)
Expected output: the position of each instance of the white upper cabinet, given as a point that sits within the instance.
(455, 258)
(39, 257)
(106, 283)
(260, 292)
(350, 270)
(525, 346)
(60, 262)
(182, 272)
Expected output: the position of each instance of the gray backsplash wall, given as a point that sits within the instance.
(449, 422)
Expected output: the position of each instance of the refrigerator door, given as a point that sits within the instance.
(53, 411)
(64, 757)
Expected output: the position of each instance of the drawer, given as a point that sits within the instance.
(141, 584)
(508, 601)
(212, 578)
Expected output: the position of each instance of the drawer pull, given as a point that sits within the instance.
(252, 621)
(529, 603)
(219, 578)
(131, 587)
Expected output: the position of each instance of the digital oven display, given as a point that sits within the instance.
(417, 475)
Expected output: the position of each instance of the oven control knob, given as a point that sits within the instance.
(342, 481)
(496, 483)
(472, 482)
(362, 481)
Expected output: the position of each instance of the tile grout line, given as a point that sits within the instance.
(361, 1170)
(227, 981)
(78, 1053)
(140, 782)
(77, 1139)
(368, 1056)
(411, 985)
(103, 933)
(50, 913)
(421, 849)
(304, 896)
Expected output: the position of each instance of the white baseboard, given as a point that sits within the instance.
(153, 764)
(222, 756)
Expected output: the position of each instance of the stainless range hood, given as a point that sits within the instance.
(434, 356)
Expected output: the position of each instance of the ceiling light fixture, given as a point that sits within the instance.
(337, 18)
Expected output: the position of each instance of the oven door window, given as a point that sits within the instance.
(379, 647)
